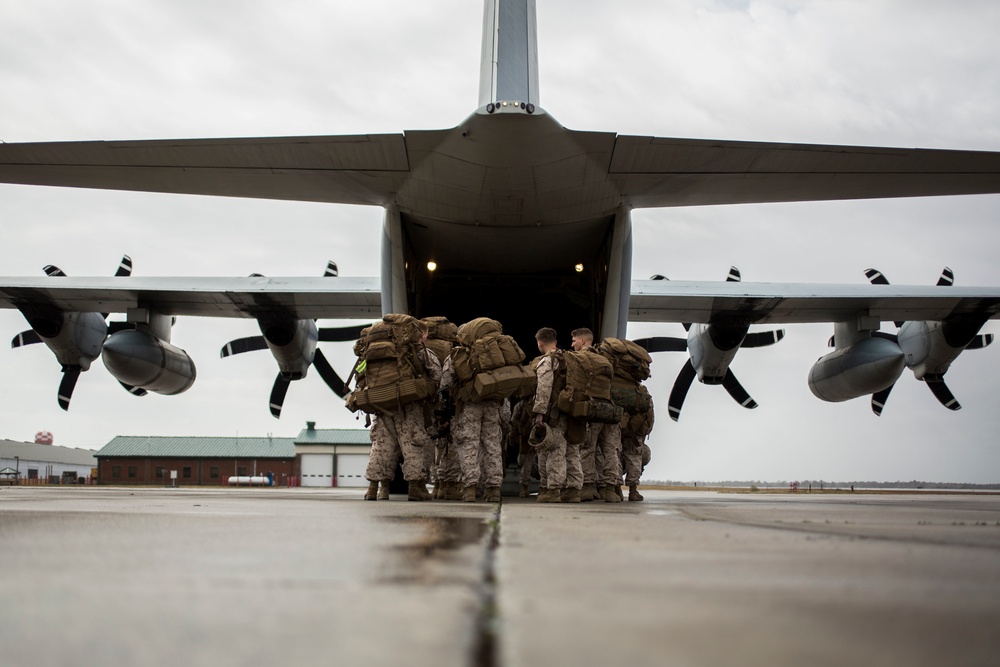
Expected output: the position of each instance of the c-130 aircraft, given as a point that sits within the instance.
(507, 202)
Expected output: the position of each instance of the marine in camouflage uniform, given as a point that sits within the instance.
(552, 462)
(476, 428)
(600, 452)
(403, 431)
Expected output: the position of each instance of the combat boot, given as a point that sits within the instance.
(589, 493)
(550, 496)
(469, 494)
(524, 491)
(633, 493)
(436, 492)
(618, 492)
(492, 494)
(417, 491)
(570, 495)
(383, 489)
(608, 494)
(372, 492)
(452, 491)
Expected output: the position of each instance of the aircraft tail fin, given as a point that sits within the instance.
(509, 65)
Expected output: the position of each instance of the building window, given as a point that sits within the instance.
(133, 472)
(32, 473)
(187, 472)
(241, 471)
(213, 472)
(116, 471)
(160, 472)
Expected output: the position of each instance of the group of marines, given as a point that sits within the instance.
(461, 448)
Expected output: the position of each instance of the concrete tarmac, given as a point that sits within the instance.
(140, 576)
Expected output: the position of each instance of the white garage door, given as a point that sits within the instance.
(351, 469)
(317, 470)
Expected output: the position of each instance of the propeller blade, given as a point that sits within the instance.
(681, 385)
(329, 375)
(341, 334)
(241, 345)
(737, 391)
(734, 275)
(278, 392)
(879, 398)
(135, 391)
(762, 338)
(979, 342)
(662, 344)
(70, 375)
(115, 327)
(831, 342)
(875, 277)
(331, 270)
(52, 271)
(943, 395)
(947, 278)
(657, 276)
(28, 337)
(125, 267)
(888, 336)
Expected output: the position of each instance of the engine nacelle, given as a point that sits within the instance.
(861, 368)
(75, 338)
(139, 359)
(931, 347)
(712, 349)
(293, 345)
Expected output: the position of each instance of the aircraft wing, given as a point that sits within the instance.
(762, 303)
(360, 298)
(314, 298)
(659, 172)
(349, 169)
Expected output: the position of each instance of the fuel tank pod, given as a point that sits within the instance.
(139, 359)
(862, 368)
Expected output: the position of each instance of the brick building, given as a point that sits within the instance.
(317, 457)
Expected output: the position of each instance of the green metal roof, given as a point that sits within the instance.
(199, 447)
(333, 436)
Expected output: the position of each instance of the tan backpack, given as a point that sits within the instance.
(442, 336)
(629, 360)
(487, 363)
(586, 393)
(389, 372)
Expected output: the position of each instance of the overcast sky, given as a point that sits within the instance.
(910, 73)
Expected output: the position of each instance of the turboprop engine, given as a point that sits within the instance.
(863, 363)
(144, 358)
(292, 343)
(75, 338)
(711, 349)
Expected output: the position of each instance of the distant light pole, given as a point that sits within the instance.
(17, 469)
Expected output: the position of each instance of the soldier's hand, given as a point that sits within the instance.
(538, 419)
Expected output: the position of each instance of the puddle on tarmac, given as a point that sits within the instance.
(440, 537)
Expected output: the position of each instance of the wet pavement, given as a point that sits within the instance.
(117, 576)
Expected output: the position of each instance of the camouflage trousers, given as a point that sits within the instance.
(476, 433)
(447, 468)
(634, 459)
(600, 454)
(399, 432)
(526, 462)
(559, 466)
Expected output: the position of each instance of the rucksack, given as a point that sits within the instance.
(442, 335)
(487, 363)
(586, 391)
(629, 360)
(389, 372)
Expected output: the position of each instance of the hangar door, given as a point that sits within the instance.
(351, 469)
(317, 470)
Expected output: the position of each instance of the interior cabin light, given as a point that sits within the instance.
(432, 266)
(579, 268)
